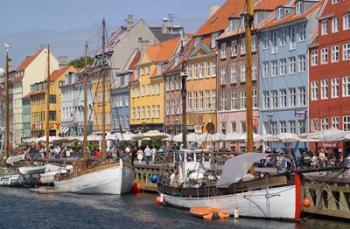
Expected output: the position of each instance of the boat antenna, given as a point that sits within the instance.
(103, 144)
(249, 19)
(7, 110)
(183, 92)
(85, 147)
(47, 154)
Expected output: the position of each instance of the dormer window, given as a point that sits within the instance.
(280, 13)
(197, 41)
(234, 23)
(159, 68)
(299, 8)
(214, 37)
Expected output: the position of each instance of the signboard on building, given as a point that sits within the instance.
(300, 113)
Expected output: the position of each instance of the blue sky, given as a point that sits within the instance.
(67, 24)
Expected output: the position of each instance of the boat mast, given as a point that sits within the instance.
(249, 19)
(183, 74)
(7, 107)
(47, 154)
(85, 148)
(103, 144)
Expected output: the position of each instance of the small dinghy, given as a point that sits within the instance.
(209, 213)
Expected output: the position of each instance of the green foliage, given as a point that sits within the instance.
(79, 63)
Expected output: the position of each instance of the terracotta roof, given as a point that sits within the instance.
(162, 51)
(219, 20)
(135, 61)
(268, 5)
(291, 17)
(58, 73)
(27, 61)
(329, 8)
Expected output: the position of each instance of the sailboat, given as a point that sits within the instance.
(105, 177)
(270, 197)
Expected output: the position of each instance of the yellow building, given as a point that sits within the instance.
(38, 97)
(147, 87)
(97, 90)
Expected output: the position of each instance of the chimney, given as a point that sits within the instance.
(130, 21)
(212, 10)
(165, 25)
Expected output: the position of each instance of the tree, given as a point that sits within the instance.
(79, 63)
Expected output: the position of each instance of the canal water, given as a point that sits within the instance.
(22, 209)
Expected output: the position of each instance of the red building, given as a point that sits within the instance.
(329, 69)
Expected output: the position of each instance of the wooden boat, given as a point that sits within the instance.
(270, 197)
(110, 178)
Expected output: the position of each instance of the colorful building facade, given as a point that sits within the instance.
(329, 80)
(283, 85)
(147, 87)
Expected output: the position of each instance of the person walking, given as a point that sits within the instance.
(139, 155)
(148, 154)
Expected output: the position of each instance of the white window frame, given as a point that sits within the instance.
(346, 86)
(324, 55)
(335, 24)
(314, 90)
(324, 89)
(335, 53)
(314, 57)
(324, 27)
(334, 88)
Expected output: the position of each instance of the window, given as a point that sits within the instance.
(346, 51)
(266, 69)
(302, 96)
(335, 88)
(299, 7)
(234, 126)
(324, 27)
(243, 73)
(302, 126)
(335, 25)
(335, 122)
(283, 37)
(213, 69)
(324, 89)
(265, 40)
(314, 90)
(324, 55)
(346, 86)
(52, 115)
(274, 99)
(254, 72)
(314, 126)
(234, 48)
(223, 76)
(324, 123)
(292, 97)
(301, 63)
(201, 70)
(243, 98)
(273, 128)
(274, 68)
(274, 42)
(283, 125)
(346, 21)
(335, 53)
(292, 127)
(291, 65)
(335, 1)
(243, 126)
(213, 99)
(255, 98)
(207, 99)
(223, 50)
(302, 32)
(292, 44)
(254, 43)
(266, 99)
(52, 98)
(201, 100)
(283, 98)
(214, 37)
(234, 101)
(223, 127)
(233, 74)
(346, 123)
(194, 98)
(242, 46)
(223, 101)
(283, 67)
(314, 57)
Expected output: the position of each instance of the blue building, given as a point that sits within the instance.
(283, 55)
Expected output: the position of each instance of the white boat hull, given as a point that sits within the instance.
(274, 203)
(114, 180)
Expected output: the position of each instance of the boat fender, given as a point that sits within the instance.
(154, 178)
(137, 188)
(307, 203)
(236, 213)
(158, 200)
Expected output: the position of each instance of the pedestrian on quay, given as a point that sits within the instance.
(154, 152)
(148, 154)
(139, 155)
